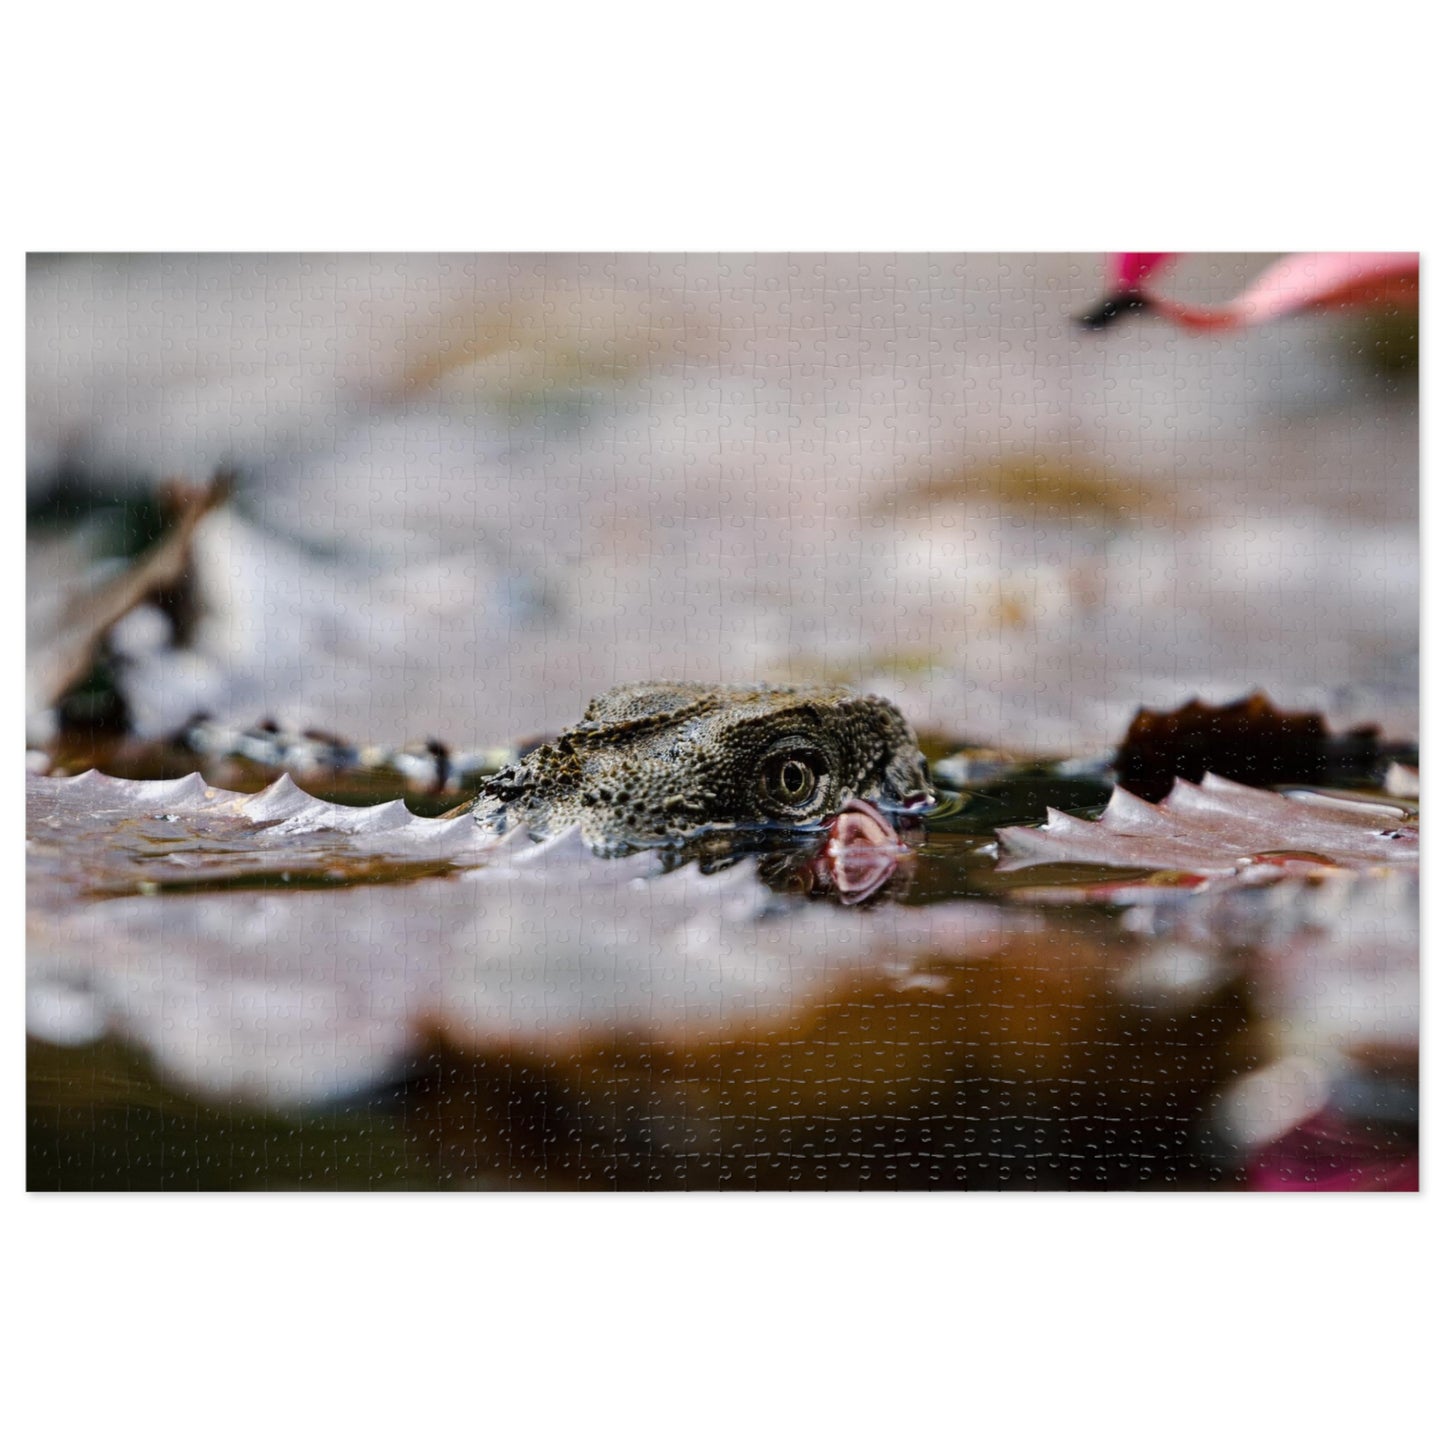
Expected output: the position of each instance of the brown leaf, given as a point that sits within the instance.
(1250, 741)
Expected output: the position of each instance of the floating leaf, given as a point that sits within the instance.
(1216, 833)
(94, 836)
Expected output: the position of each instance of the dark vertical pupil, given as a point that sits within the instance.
(796, 780)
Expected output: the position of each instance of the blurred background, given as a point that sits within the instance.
(469, 492)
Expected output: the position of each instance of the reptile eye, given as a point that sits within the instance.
(793, 779)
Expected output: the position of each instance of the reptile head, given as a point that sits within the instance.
(653, 763)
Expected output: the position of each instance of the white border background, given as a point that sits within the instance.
(741, 127)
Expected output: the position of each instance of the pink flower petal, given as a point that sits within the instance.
(1298, 282)
(1305, 280)
(1129, 269)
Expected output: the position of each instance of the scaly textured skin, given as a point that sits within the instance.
(656, 762)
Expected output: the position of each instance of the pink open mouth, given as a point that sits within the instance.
(862, 853)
